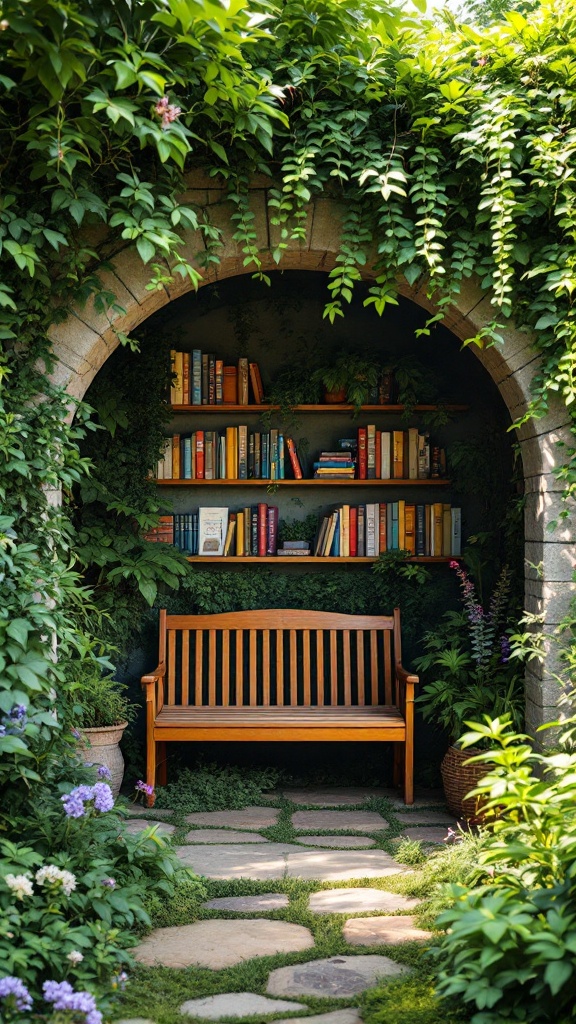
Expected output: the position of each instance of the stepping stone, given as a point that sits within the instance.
(218, 944)
(249, 904)
(338, 976)
(138, 811)
(136, 825)
(348, 1016)
(247, 817)
(382, 931)
(237, 1004)
(357, 901)
(281, 860)
(341, 865)
(428, 834)
(223, 835)
(355, 821)
(428, 798)
(344, 842)
(424, 817)
(337, 796)
(246, 861)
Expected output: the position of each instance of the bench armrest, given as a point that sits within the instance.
(158, 673)
(403, 676)
(154, 685)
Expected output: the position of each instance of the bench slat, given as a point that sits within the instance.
(347, 677)
(266, 667)
(333, 667)
(199, 637)
(185, 665)
(171, 666)
(320, 675)
(293, 677)
(360, 667)
(388, 696)
(225, 667)
(239, 668)
(253, 667)
(373, 668)
(280, 618)
(212, 667)
(307, 681)
(280, 668)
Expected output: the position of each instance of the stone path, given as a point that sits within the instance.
(333, 839)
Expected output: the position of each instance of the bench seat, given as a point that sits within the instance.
(280, 675)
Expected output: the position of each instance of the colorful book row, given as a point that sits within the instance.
(349, 531)
(233, 454)
(398, 455)
(199, 378)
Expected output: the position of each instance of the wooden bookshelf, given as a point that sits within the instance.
(436, 482)
(317, 559)
(336, 407)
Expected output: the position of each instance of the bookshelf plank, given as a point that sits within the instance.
(305, 559)
(201, 409)
(434, 482)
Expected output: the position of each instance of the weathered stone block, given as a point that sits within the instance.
(326, 225)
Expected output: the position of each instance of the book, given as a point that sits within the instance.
(456, 531)
(204, 378)
(274, 454)
(231, 463)
(329, 535)
(258, 456)
(382, 528)
(294, 460)
(336, 540)
(219, 382)
(423, 456)
(395, 529)
(280, 456)
(211, 379)
(397, 454)
(353, 531)
(446, 530)
(437, 534)
(345, 531)
(199, 455)
(173, 389)
(413, 453)
(179, 379)
(228, 543)
(271, 529)
(371, 452)
(262, 524)
(212, 530)
(242, 381)
(420, 530)
(185, 378)
(371, 530)
(242, 452)
(196, 396)
(256, 382)
(378, 447)
(362, 455)
(318, 547)
(240, 533)
(410, 528)
(254, 539)
(293, 552)
(401, 525)
(176, 474)
(230, 385)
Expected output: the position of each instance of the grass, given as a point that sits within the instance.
(156, 993)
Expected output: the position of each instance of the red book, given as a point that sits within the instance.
(353, 531)
(362, 453)
(262, 529)
(378, 454)
(294, 460)
(272, 529)
(382, 535)
(199, 454)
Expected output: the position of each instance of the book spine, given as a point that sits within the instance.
(370, 530)
(209, 455)
(168, 449)
(193, 455)
(395, 531)
(199, 454)
(176, 475)
(446, 530)
(371, 452)
(361, 531)
(274, 454)
(186, 378)
(420, 530)
(196, 377)
(204, 378)
(383, 530)
(230, 386)
(362, 454)
(187, 458)
(172, 376)
(345, 531)
(251, 466)
(378, 454)
(353, 531)
(272, 529)
(255, 382)
(177, 533)
(294, 460)
(401, 525)
(243, 453)
(262, 534)
(265, 456)
(456, 531)
(336, 541)
(410, 528)
(248, 531)
(437, 514)
(281, 466)
(413, 453)
(389, 526)
(240, 533)
(385, 455)
(219, 381)
(254, 531)
(398, 454)
(230, 442)
(242, 381)
(179, 382)
(211, 379)
(258, 456)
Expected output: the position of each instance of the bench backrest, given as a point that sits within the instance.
(280, 657)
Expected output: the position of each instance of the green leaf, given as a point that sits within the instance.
(145, 249)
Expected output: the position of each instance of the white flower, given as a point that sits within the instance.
(51, 875)
(75, 957)
(21, 885)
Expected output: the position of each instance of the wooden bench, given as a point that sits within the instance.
(280, 675)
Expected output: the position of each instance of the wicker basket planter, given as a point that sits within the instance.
(102, 746)
(459, 779)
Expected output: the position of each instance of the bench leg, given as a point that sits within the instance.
(409, 771)
(150, 768)
(161, 769)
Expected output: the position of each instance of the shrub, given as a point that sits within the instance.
(510, 949)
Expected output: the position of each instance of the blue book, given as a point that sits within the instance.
(187, 460)
(334, 465)
(280, 456)
(177, 536)
(265, 456)
(196, 390)
(188, 533)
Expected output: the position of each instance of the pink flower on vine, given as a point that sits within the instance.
(168, 112)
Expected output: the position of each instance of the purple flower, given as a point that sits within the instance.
(18, 711)
(119, 981)
(505, 650)
(74, 801)
(14, 988)
(63, 996)
(143, 787)
(110, 883)
(104, 773)
(102, 796)
(2, 730)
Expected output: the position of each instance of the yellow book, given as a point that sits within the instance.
(345, 531)
(230, 535)
(438, 528)
(410, 528)
(240, 533)
(402, 525)
(231, 450)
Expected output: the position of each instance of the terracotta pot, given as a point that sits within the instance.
(101, 745)
(459, 779)
(335, 397)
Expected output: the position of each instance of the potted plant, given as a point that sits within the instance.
(469, 674)
(103, 712)
(349, 379)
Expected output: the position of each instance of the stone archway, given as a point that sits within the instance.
(83, 342)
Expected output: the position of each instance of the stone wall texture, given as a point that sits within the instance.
(86, 338)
